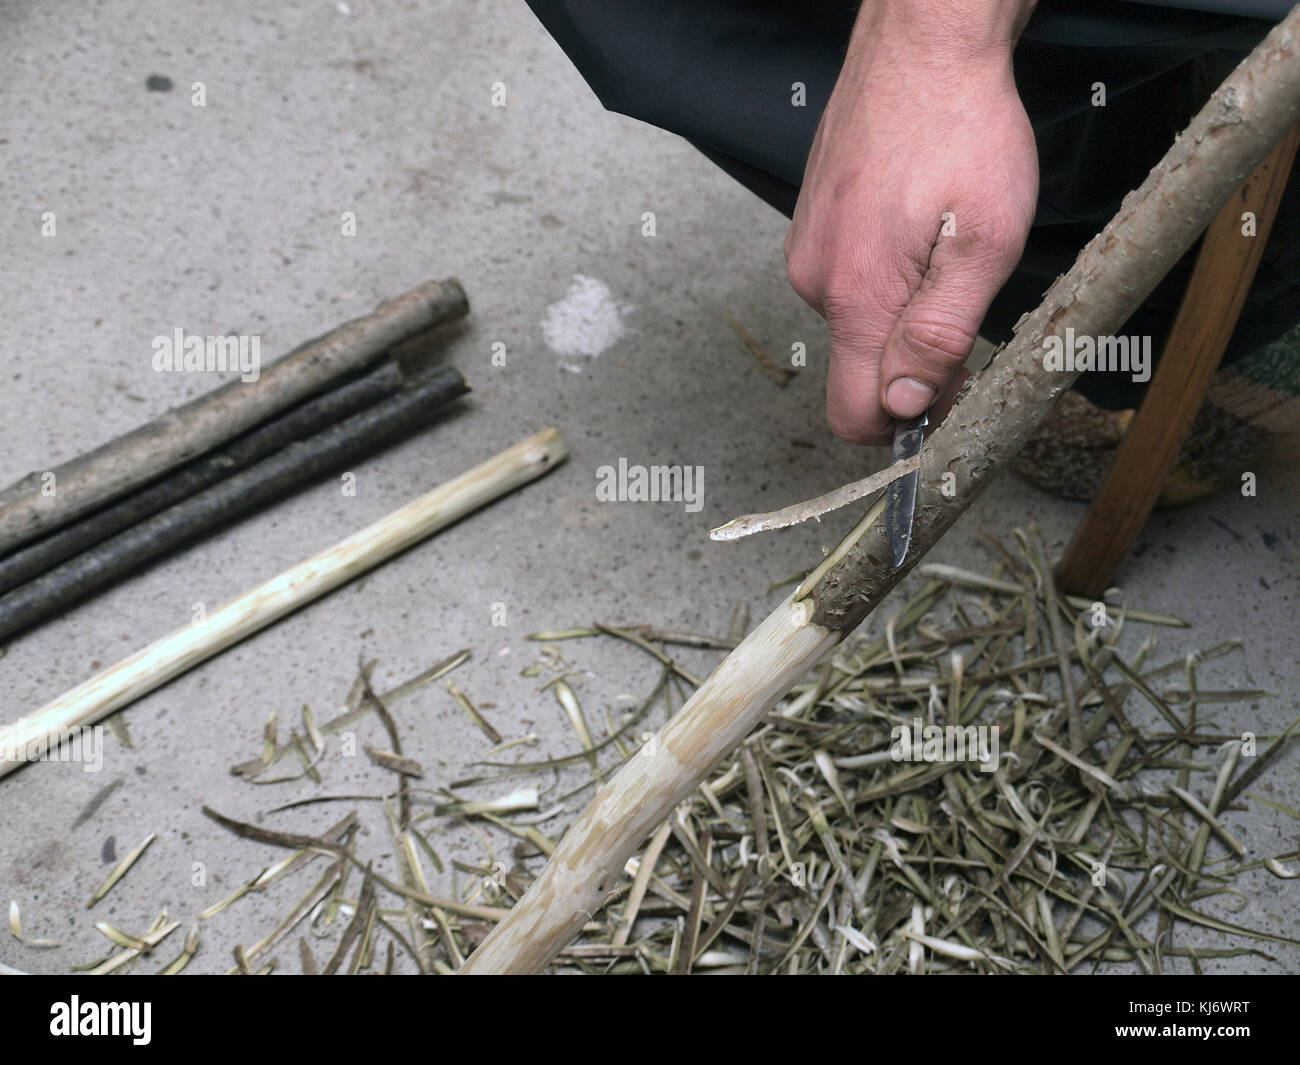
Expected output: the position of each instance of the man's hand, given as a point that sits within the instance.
(916, 202)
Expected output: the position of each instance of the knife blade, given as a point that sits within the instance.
(900, 496)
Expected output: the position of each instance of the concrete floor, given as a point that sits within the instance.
(225, 219)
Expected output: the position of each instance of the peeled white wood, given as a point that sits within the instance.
(589, 859)
(185, 648)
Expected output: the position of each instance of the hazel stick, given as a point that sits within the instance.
(273, 479)
(185, 648)
(112, 469)
(1223, 144)
(180, 484)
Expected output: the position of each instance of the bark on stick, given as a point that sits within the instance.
(1155, 225)
(114, 468)
(299, 423)
(273, 478)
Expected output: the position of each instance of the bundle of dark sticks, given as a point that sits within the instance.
(69, 532)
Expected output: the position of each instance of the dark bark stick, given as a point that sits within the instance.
(303, 421)
(114, 468)
(1225, 142)
(271, 479)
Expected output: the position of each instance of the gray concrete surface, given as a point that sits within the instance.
(225, 218)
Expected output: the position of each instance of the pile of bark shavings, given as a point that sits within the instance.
(1000, 780)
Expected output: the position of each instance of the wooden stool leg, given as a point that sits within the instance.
(1225, 268)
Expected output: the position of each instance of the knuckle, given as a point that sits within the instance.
(804, 276)
(936, 343)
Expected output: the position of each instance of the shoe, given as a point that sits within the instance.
(1252, 405)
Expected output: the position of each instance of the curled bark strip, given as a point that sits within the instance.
(748, 524)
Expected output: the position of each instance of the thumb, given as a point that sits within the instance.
(934, 334)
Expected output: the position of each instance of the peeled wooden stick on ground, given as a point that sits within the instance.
(1155, 225)
(147, 669)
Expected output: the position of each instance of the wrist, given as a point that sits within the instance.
(951, 32)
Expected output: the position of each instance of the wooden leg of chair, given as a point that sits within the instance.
(1225, 268)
